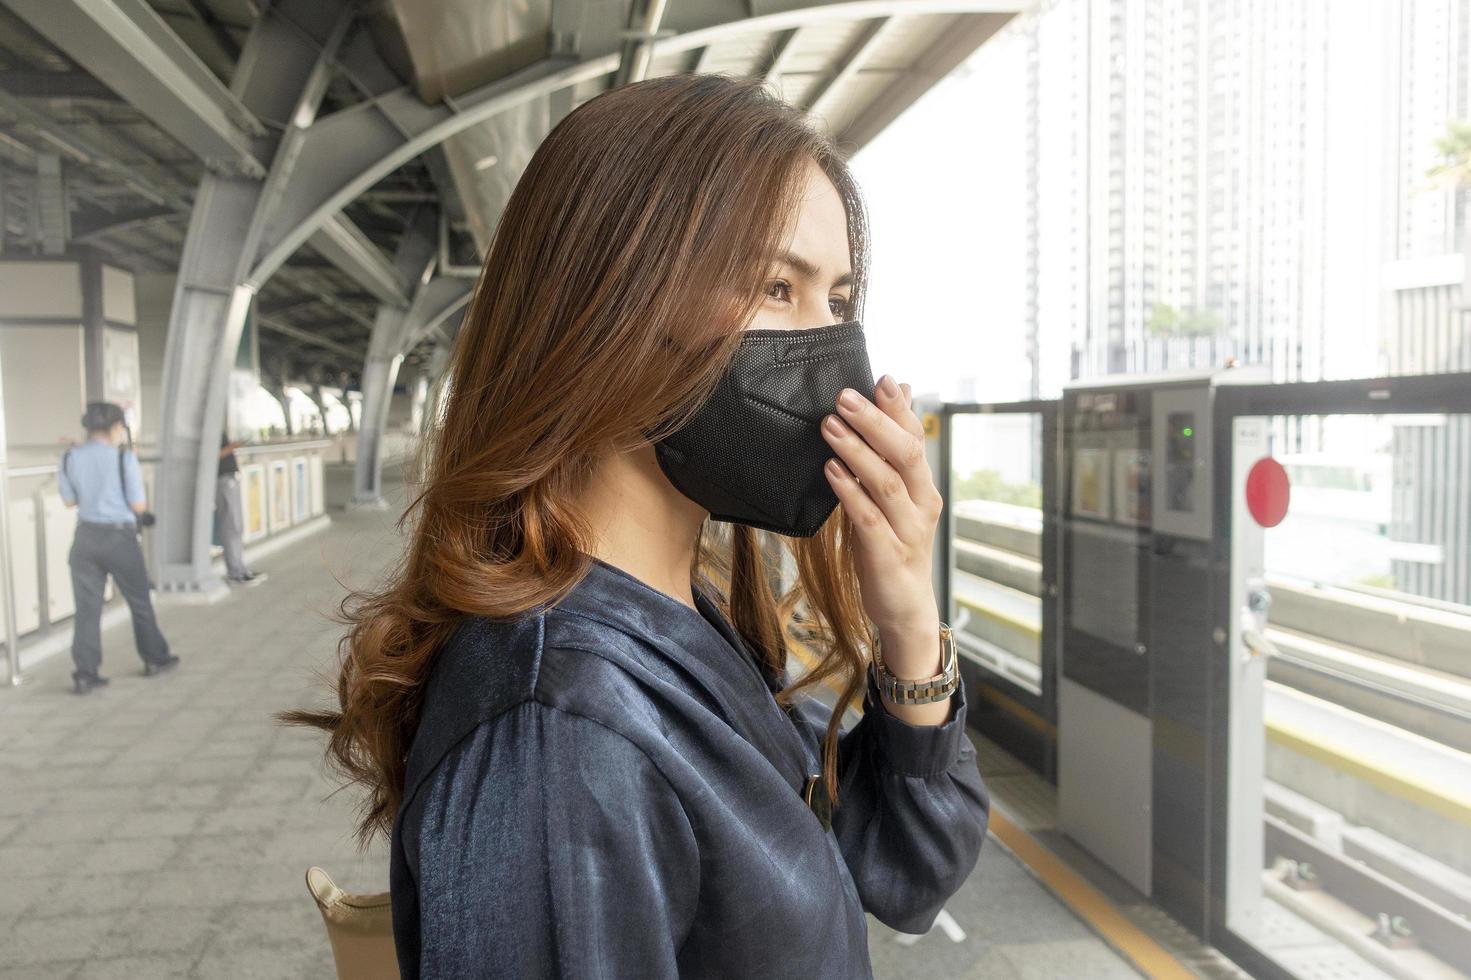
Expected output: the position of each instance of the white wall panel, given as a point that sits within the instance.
(316, 468)
(117, 296)
(59, 527)
(23, 564)
(40, 289)
(45, 384)
(120, 378)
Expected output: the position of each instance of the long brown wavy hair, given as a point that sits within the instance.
(628, 260)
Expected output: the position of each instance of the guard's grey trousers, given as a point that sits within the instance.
(232, 523)
(98, 551)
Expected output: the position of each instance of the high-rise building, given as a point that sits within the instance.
(1231, 179)
(1427, 319)
(1199, 184)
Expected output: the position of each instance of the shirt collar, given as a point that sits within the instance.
(704, 644)
(609, 595)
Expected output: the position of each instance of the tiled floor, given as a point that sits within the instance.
(161, 827)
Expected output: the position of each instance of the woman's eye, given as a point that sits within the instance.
(781, 290)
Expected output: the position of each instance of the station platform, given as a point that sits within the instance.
(162, 827)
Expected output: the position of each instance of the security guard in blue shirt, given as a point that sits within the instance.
(101, 478)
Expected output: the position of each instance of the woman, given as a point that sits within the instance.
(590, 760)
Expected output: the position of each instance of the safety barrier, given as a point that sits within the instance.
(281, 488)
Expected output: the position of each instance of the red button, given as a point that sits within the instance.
(1268, 492)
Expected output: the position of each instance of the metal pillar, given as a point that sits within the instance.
(93, 328)
(313, 389)
(7, 566)
(438, 363)
(379, 373)
(386, 348)
(418, 399)
(282, 74)
(275, 380)
(395, 333)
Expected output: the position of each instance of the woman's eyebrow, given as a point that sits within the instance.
(808, 270)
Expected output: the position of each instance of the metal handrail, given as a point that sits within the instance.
(7, 572)
(38, 496)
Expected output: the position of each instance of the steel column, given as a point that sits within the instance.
(93, 328)
(436, 304)
(280, 76)
(392, 328)
(7, 565)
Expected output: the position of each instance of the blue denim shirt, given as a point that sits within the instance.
(608, 789)
(88, 476)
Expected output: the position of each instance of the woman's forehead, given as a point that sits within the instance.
(820, 233)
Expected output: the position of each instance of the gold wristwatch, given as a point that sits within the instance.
(925, 691)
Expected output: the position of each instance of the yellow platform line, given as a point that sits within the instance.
(1131, 942)
(1005, 619)
(1014, 708)
(1447, 801)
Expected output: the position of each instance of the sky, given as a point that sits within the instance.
(944, 188)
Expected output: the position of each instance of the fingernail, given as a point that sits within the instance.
(832, 425)
(886, 384)
(850, 399)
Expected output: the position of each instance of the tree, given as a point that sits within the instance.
(1455, 147)
(1166, 321)
(1163, 320)
(989, 485)
(1200, 323)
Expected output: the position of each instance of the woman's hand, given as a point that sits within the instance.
(895, 509)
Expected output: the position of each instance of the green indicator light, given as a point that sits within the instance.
(1188, 431)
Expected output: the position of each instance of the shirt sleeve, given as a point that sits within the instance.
(134, 474)
(912, 809)
(548, 845)
(64, 483)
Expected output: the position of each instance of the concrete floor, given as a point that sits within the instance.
(161, 827)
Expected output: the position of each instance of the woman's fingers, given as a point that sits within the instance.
(873, 526)
(883, 484)
(892, 429)
(881, 443)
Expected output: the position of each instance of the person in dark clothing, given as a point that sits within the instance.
(102, 479)
(231, 516)
(570, 704)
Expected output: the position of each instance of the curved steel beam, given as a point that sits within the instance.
(436, 303)
(126, 45)
(280, 76)
(345, 154)
(397, 333)
(386, 348)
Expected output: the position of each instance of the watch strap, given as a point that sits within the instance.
(925, 690)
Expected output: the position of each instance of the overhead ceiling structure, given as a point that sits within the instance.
(336, 167)
(855, 66)
(131, 153)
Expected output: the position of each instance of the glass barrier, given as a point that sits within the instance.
(996, 466)
(1366, 702)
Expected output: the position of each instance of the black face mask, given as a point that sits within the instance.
(753, 454)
